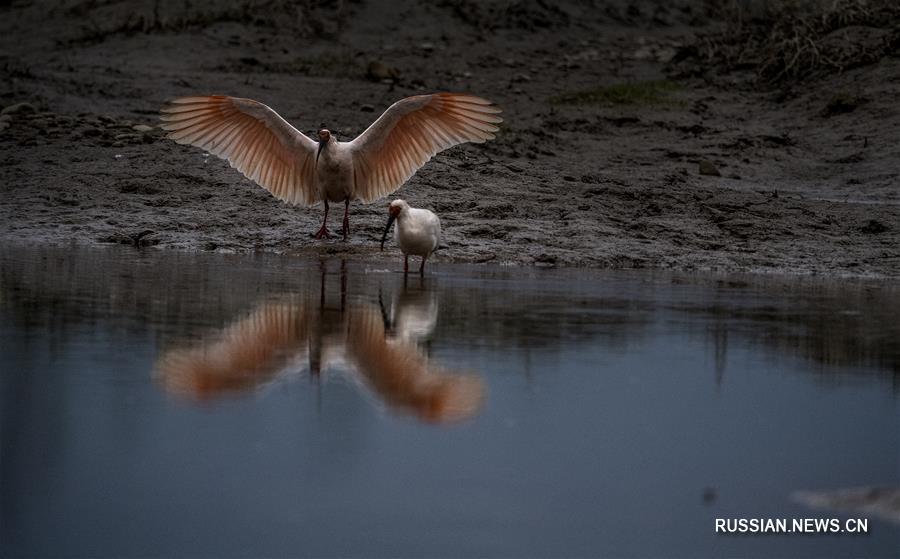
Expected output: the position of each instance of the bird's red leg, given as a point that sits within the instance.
(323, 231)
(346, 229)
(422, 267)
(405, 264)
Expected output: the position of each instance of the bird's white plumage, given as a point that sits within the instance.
(275, 155)
(418, 231)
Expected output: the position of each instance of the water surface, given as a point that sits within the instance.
(202, 405)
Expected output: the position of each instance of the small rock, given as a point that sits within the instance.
(378, 71)
(118, 238)
(67, 201)
(545, 260)
(210, 245)
(142, 128)
(643, 53)
(18, 108)
(367, 108)
(427, 47)
(141, 239)
(707, 168)
(841, 104)
(873, 227)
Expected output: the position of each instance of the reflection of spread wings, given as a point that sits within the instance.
(245, 355)
(255, 349)
(403, 377)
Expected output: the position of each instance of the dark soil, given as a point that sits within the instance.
(603, 160)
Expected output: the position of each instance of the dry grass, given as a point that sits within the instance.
(791, 40)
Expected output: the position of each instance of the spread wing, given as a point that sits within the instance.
(252, 138)
(410, 132)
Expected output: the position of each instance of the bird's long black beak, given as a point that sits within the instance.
(321, 147)
(387, 228)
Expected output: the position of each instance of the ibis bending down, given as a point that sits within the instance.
(256, 141)
(418, 232)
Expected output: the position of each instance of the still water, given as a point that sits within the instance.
(204, 405)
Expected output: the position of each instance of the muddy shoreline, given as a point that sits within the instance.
(713, 175)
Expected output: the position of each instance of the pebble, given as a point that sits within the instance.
(707, 168)
(378, 71)
(367, 108)
(142, 128)
(18, 108)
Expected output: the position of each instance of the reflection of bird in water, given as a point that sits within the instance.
(278, 335)
(404, 377)
(299, 170)
(412, 316)
(247, 354)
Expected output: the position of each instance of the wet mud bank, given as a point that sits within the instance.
(606, 157)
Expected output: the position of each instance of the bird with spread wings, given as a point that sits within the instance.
(300, 170)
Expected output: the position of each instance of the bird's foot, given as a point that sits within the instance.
(322, 233)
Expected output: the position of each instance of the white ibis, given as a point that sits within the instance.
(418, 232)
(256, 141)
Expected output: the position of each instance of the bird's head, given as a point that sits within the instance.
(324, 136)
(394, 211)
(396, 207)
